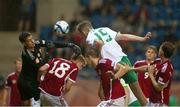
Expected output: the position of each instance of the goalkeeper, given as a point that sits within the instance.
(32, 59)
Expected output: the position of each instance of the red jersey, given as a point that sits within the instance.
(112, 88)
(163, 76)
(143, 78)
(60, 70)
(15, 99)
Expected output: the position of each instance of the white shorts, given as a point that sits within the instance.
(113, 102)
(50, 100)
(150, 104)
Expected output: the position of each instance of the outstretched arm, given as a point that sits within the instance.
(130, 37)
(141, 68)
(57, 44)
(121, 70)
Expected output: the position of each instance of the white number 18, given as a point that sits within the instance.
(63, 67)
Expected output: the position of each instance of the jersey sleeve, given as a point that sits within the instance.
(136, 64)
(8, 81)
(73, 75)
(165, 74)
(114, 65)
(51, 62)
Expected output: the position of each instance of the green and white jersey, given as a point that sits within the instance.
(110, 49)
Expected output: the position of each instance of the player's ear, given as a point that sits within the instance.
(24, 44)
(155, 55)
(98, 43)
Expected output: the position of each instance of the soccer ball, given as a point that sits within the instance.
(61, 27)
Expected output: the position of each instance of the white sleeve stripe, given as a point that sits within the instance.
(161, 82)
(67, 77)
(72, 80)
(164, 68)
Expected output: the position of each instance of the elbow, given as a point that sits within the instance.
(158, 88)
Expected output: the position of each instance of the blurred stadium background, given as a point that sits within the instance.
(161, 17)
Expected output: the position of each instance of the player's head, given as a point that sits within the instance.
(166, 50)
(27, 40)
(2, 82)
(84, 27)
(92, 55)
(18, 64)
(79, 60)
(151, 52)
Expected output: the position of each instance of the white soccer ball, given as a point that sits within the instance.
(61, 27)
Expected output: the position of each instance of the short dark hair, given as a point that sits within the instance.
(154, 48)
(83, 24)
(168, 49)
(23, 36)
(92, 51)
(79, 57)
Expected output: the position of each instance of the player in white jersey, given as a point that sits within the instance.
(105, 39)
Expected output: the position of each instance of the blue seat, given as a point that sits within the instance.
(46, 33)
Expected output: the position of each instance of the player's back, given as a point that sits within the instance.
(59, 71)
(112, 88)
(110, 49)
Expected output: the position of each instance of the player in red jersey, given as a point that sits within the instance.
(11, 83)
(111, 92)
(143, 76)
(3, 92)
(59, 75)
(161, 76)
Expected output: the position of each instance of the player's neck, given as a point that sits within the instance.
(17, 72)
(148, 61)
(95, 62)
(163, 59)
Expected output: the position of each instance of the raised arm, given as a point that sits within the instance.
(141, 68)
(131, 37)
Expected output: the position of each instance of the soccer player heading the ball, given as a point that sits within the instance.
(106, 39)
(32, 59)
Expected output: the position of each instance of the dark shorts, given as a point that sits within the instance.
(28, 89)
(130, 76)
